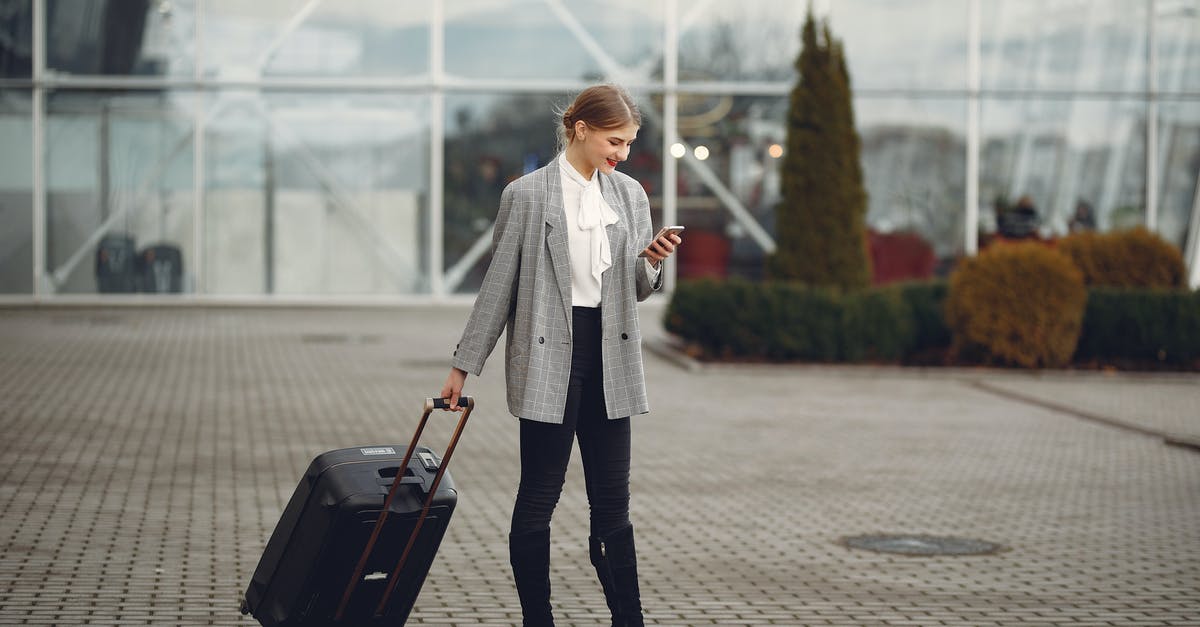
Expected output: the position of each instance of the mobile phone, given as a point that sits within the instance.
(674, 230)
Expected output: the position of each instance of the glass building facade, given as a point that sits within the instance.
(358, 148)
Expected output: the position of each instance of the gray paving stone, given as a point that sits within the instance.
(147, 454)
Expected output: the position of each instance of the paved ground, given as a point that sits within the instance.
(147, 453)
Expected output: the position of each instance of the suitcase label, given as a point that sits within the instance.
(378, 450)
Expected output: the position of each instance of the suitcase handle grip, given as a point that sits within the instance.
(468, 404)
(444, 403)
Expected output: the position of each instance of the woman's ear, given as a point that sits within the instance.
(580, 129)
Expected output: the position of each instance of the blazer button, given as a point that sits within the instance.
(624, 336)
(541, 340)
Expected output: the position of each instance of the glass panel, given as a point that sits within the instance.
(119, 191)
(316, 194)
(912, 156)
(16, 193)
(914, 169)
(1179, 169)
(122, 38)
(925, 44)
(16, 39)
(730, 139)
(1060, 45)
(288, 38)
(1177, 33)
(555, 39)
(1068, 158)
(492, 139)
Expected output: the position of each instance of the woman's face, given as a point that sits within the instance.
(603, 149)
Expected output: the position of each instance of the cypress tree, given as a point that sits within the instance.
(821, 220)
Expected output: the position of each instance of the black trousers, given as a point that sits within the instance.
(604, 444)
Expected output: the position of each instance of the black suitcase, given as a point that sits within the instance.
(357, 537)
(160, 269)
(116, 264)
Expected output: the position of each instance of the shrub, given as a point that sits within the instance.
(877, 325)
(1141, 325)
(1018, 304)
(736, 318)
(1130, 258)
(820, 222)
(925, 301)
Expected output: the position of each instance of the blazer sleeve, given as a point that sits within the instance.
(649, 280)
(498, 292)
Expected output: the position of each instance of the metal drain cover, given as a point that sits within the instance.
(922, 545)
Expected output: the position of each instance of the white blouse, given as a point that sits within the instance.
(587, 216)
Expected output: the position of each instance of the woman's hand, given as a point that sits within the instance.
(662, 248)
(453, 387)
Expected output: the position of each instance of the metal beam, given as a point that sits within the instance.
(670, 171)
(974, 58)
(40, 286)
(1193, 240)
(290, 27)
(437, 151)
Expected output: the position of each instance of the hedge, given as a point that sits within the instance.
(1141, 326)
(737, 319)
(904, 323)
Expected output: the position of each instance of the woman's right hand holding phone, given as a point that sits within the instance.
(663, 245)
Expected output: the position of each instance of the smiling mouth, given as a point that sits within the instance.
(612, 162)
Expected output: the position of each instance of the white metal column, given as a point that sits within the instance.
(437, 138)
(974, 42)
(1192, 258)
(1151, 119)
(670, 188)
(40, 284)
(199, 217)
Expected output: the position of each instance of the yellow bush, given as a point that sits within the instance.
(1130, 258)
(1017, 304)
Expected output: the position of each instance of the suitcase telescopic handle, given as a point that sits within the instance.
(468, 405)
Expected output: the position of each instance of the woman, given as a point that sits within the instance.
(564, 282)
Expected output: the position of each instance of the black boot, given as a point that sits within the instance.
(529, 554)
(615, 560)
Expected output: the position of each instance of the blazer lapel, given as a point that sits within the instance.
(616, 231)
(556, 235)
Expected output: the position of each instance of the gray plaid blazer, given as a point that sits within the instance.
(527, 293)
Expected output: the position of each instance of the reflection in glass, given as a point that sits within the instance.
(742, 136)
(1178, 168)
(364, 38)
(758, 40)
(316, 194)
(559, 39)
(1060, 154)
(1177, 33)
(121, 38)
(119, 185)
(16, 194)
(913, 156)
(1060, 45)
(16, 38)
(493, 139)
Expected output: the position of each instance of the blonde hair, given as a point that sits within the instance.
(600, 107)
